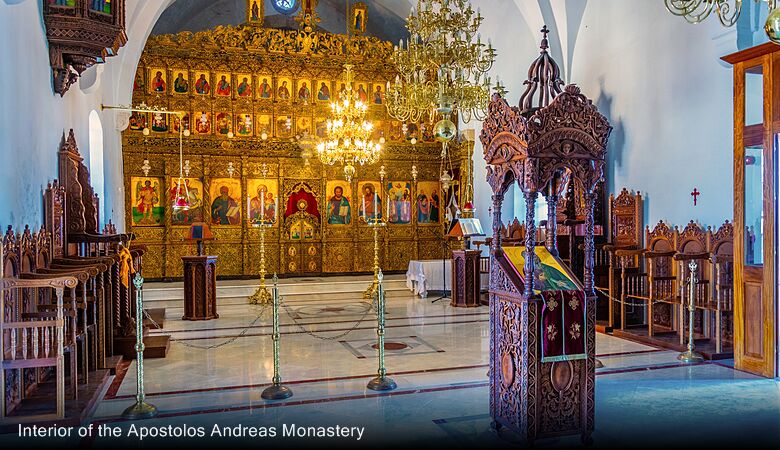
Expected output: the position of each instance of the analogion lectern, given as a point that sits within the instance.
(200, 278)
(465, 264)
(542, 341)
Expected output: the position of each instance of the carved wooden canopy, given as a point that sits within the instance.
(569, 133)
(81, 33)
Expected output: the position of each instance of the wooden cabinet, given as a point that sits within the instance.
(756, 128)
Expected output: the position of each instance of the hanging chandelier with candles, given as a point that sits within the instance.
(728, 12)
(442, 68)
(348, 134)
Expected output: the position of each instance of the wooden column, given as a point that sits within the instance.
(530, 242)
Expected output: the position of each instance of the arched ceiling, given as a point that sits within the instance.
(386, 18)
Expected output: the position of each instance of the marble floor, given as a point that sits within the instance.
(216, 370)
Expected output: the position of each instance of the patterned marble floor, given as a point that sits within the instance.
(216, 370)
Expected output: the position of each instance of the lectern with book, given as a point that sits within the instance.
(200, 278)
(465, 263)
(542, 335)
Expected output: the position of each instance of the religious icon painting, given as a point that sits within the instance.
(138, 83)
(63, 2)
(378, 94)
(399, 202)
(224, 123)
(244, 125)
(320, 127)
(101, 6)
(428, 203)
(147, 198)
(323, 91)
(339, 202)
(396, 132)
(412, 131)
(304, 92)
(202, 84)
(342, 91)
(202, 122)
(181, 82)
(225, 197)
(262, 199)
(284, 86)
(361, 88)
(378, 131)
(181, 121)
(426, 132)
(223, 87)
(359, 17)
(244, 88)
(158, 83)
(303, 125)
(159, 122)
(254, 11)
(192, 188)
(265, 125)
(265, 90)
(369, 200)
(284, 126)
(138, 121)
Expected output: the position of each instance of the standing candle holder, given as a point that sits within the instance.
(277, 391)
(140, 409)
(691, 356)
(381, 382)
(261, 295)
(372, 290)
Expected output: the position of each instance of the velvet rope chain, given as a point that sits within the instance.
(661, 300)
(243, 332)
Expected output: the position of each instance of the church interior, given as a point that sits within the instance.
(377, 223)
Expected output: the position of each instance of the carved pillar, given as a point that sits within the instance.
(530, 242)
(551, 234)
(498, 200)
(590, 200)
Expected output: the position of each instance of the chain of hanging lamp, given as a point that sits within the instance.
(348, 138)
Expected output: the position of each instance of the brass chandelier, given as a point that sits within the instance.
(443, 66)
(728, 11)
(348, 132)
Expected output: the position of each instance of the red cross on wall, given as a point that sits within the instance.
(695, 194)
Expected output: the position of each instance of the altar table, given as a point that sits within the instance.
(427, 275)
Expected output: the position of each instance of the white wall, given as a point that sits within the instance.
(656, 78)
(33, 118)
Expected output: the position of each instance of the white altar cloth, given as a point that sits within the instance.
(426, 275)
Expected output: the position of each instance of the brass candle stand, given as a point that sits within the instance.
(381, 382)
(276, 391)
(372, 290)
(690, 355)
(261, 295)
(140, 409)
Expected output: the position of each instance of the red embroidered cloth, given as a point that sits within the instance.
(563, 325)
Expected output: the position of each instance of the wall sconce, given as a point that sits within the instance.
(264, 170)
(382, 173)
(186, 167)
(414, 172)
(231, 169)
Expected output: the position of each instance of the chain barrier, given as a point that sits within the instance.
(369, 307)
(243, 332)
(638, 305)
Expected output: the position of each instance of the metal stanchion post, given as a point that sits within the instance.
(381, 382)
(276, 391)
(141, 409)
(691, 355)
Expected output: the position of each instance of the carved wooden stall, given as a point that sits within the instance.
(255, 101)
(542, 372)
(81, 33)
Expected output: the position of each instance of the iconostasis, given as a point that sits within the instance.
(254, 100)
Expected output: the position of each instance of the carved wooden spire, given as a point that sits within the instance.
(544, 80)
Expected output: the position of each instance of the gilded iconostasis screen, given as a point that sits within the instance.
(253, 102)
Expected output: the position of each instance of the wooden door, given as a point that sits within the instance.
(755, 214)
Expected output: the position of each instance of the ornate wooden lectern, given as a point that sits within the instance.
(200, 279)
(542, 341)
(465, 264)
